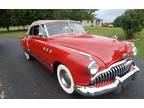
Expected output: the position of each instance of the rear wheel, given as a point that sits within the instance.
(28, 56)
(65, 79)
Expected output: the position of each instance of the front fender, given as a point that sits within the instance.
(77, 64)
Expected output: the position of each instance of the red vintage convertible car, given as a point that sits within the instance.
(85, 63)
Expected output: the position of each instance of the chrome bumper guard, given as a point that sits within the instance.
(94, 91)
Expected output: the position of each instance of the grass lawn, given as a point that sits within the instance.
(16, 34)
(139, 43)
(104, 31)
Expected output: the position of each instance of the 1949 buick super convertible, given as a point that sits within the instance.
(88, 64)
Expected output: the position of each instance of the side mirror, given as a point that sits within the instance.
(28, 36)
(40, 34)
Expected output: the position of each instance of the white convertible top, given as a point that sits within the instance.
(42, 22)
(50, 21)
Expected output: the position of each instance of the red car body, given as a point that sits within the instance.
(62, 48)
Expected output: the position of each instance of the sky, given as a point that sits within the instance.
(108, 15)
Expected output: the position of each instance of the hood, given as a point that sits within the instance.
(108, 50)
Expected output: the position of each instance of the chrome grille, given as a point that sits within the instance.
(118, 70)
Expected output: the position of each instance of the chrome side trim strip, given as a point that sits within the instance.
(46, 31)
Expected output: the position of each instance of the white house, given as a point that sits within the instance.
(95, 22)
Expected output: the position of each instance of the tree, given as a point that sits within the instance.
(74, 14)
(118, 21)
(5, 21)
(132, 22)
(23, 17)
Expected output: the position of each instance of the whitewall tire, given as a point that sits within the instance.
(65, 79)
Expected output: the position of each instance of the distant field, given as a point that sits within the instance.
(105, 31)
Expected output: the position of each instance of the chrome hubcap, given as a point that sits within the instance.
(27, 55)
(64, 77)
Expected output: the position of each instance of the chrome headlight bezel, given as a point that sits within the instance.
(93, 68)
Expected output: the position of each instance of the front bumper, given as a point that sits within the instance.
(117, 85)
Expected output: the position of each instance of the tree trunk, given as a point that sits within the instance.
(7, 29)
(129, 36)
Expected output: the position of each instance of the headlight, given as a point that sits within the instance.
(134, 51)
(93, 68)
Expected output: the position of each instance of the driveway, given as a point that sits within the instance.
(22, 79)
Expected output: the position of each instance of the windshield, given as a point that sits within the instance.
(64, 27)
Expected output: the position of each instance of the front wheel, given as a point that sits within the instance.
(65, 79)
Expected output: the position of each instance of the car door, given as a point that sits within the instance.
(47, 53)
(36, 42)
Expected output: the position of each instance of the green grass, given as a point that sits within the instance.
(139, 43)
(15, 34)
(104, 31)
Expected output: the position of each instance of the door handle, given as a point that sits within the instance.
(29, 37)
